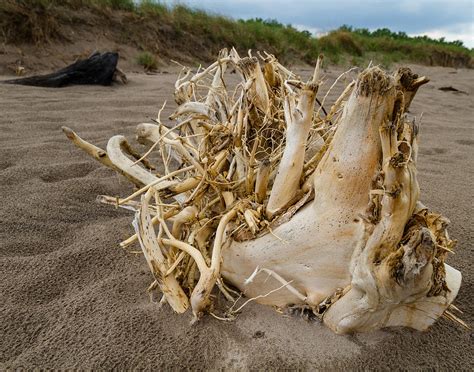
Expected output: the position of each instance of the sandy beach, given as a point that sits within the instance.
(72, 299)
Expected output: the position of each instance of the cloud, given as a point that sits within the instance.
(463, 32)
(315, 31)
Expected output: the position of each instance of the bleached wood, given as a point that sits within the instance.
(327, 207)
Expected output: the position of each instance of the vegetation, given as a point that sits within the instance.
(199, 35)
(148, 61)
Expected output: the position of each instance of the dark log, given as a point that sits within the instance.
(99, 69)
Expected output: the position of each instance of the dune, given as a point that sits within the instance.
(71, 298)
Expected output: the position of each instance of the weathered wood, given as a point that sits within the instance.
(98, 69)
(325, 208)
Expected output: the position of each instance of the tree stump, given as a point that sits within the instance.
(291, 207)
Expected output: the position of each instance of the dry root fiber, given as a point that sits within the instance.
(292, 206)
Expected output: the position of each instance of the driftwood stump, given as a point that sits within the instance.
(292, 207)
(98, 69)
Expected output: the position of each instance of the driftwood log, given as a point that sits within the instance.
(292, 207)
(97, 69)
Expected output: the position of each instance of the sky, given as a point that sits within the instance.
(451, 19)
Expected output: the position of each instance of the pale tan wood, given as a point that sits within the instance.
(289, 207)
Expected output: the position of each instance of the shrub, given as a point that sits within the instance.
(147, 60)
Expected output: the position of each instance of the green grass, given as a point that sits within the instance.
(148, 61)
(200, 35)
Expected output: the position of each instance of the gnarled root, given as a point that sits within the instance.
(155, 258)
(256, 181)
(398, 271)
(298, 117)
(200, 297)
(409, 84)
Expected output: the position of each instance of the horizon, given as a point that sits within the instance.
(451, 20)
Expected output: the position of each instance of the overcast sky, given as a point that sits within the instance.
(452, 19)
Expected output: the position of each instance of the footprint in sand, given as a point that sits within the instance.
(433, 151)
(4, 164)
(465, 142)
(60, 172)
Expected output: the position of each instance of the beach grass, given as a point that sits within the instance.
(39, 21)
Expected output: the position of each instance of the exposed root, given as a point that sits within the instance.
(240, 163)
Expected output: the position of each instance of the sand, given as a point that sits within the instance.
(70, 298)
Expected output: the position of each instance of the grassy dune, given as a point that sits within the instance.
(180, 32)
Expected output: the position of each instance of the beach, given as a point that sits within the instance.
(73, 299)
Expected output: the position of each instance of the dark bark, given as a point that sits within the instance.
(98, 69)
